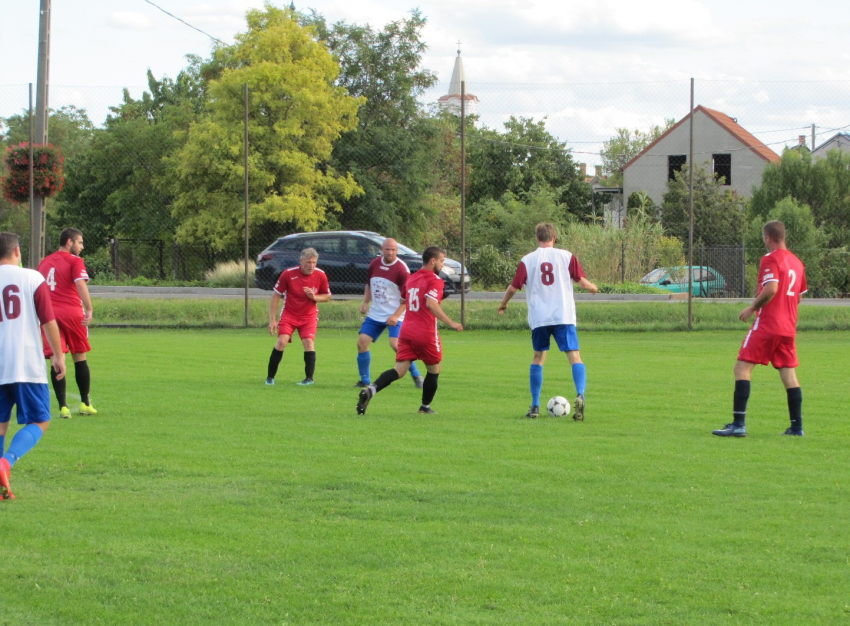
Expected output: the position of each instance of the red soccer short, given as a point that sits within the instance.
(763, 348)
(306, 326)
(429, 352)
(73, 335)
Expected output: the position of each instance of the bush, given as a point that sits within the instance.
(99, 265)
(489, 268)
(230, 274)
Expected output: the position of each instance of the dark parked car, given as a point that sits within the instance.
(344, 255)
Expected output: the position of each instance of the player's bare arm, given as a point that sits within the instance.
(367, 298)
(587, 285)
(510, 292)
(273, 308)
(437, 311)
(766, 295)
(392, 320)
(83, 290)
(316, 297)
(51, 332)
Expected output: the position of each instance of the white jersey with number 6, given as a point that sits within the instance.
(24, 306)
(548, 275)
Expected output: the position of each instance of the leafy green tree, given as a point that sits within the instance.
(296, 114)
(719, 214)
(823, 185)
(523, 158)
(392, 150)
(626, 145)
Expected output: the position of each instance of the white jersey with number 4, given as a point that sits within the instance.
(548, 275)
(24, 306)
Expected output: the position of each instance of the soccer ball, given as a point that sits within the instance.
(558, 406)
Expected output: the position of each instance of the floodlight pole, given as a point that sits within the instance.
(31, 173)
(37, 205)
(691, 218)
(245, 94)
(463, 202)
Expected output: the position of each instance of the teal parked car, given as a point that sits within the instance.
(707, 283)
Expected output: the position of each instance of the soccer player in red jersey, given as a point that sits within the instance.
(782, 280)
(304, 286)
(24, 306)
(419, 338)
(66, 276)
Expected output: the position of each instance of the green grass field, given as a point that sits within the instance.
(199, 495)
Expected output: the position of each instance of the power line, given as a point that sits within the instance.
(185, 22)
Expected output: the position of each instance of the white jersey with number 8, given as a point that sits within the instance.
(548, 275)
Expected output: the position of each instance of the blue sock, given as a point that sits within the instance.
(414, 371)
(579, 378)
(2, 444)
(364, 362)
(23, 441)
(535, 377)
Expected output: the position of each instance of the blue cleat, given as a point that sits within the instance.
(306, 381)
(730, 430)
(270, 381)
(794, 433)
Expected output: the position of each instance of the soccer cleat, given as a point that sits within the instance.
(87, 409)
(306, 381)
(730, 430)
(65, 412)
(578, 408)
(361, 385)
(5, 490)
(533, 412)
(270, 381)
(363, 400)
(794, 433)
(426, 410)
(419, 381)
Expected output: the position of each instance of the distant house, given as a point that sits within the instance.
(841, 142)
(720, 145)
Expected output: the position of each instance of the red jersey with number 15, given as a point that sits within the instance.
(779, 316)
(61, 271)
(419, 323)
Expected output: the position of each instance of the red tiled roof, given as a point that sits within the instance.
(730, 125)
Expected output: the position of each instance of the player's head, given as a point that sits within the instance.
(309, 258)
(433, 258)
(546, 233)
(10, 248)
(71, 239)
(389, 250)
(774, 232)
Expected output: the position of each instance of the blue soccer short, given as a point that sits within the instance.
(32, 399)
(565, 336)
(374, 329)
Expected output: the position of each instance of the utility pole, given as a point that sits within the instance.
(37, 209)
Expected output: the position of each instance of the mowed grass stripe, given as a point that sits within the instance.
(200, 495)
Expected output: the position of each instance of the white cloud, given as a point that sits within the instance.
(129, 21)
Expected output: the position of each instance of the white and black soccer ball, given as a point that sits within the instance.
(558, 406)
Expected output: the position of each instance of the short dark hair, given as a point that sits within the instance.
(69, 234)
(8, 243)
(775, 231)
(431, 252)
(546, 232)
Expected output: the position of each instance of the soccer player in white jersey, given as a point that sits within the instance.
(548, 275)
(25, 308)
(388, 276)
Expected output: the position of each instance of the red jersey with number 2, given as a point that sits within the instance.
(61, 271)
(419, 323)
(779, 316)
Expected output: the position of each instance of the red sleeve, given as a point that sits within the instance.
(401, 277)
(768, 270)
(43, 304)
(436, 287)
(521, 276)
(576, 273)
(78, 270)
(324, 287)
(281, 284)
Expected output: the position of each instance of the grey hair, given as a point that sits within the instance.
(309, 253)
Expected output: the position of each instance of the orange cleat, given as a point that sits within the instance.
(5, 490)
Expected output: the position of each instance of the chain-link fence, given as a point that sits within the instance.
(605, 156)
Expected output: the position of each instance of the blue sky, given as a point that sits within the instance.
(588, 66)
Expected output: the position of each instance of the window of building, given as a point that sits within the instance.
(722, 164)
(675, 163)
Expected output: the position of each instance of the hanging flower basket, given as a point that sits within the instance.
(48, 172)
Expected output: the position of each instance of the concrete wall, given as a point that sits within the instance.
(649, 172)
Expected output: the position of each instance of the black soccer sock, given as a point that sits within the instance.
(58, 388)
(795, 407)
(274, 361)
(83, 376)
(309, 364)
(386, 379)
(429, 388)
(739, 407)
